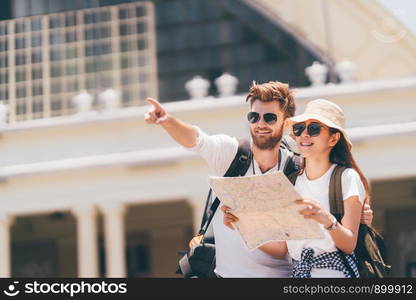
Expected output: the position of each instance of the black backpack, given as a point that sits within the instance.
(370, 250)
(199, 261)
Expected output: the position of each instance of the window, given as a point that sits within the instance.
(56, 104)
(36, 24)
(88, 34)
(21, 92)
(37, 90)
(71, 69)
(141, 27)
(36, 40)
(20, 59)
(104, 16)
(54, 22)
(126, 29)
(56, 71)
(36, 73)
(71, 37)
(3, 45)
(141, 11)
(20, 27)
(4, 61)
(90, 18)
(4, 77)
(56, 38)
(20, 75)
(124, 13)
(141, 44)
(4, 93)
(71, 52)
(20, 43)
(3, 29)
(36, 57)
(37, 106)
(70, 20)
(127, 46)
(56, 54)
(56, 87)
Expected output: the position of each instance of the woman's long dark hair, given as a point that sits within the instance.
(341, 155)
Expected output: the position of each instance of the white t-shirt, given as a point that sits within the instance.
(318, 190)
(233, 259)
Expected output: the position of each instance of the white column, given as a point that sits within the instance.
(5, 258)
(114, 237)
(87, 243)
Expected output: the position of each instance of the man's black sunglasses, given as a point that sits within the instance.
(314, 129)
(254, 117)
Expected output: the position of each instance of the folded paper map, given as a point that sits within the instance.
(265, 207)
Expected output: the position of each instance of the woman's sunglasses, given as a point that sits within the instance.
(254, 117)
(314, 129)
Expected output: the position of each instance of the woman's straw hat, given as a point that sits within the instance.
(325, 112)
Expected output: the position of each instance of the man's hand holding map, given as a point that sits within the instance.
(265, 207)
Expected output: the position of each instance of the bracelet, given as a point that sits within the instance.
(333, 225)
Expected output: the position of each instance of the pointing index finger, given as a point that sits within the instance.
(154, 102)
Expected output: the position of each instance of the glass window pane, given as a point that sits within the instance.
(56, 54)
(3, 29)
(36, 40)
(105, 16)
(126, 29)
(20, 59)
(4, 45)
(36, 57)
(56, 71)
(4, 93)
(36, 24)
(37, 90)
(54, 22)
(70, 20)
(142, 44)
(4, 61)
(71, 69)
(71, 52)
(141, 11)
(21, 92)
(20, 26)
(71, 37)
(20, 43)
(141, 27)
(56, 87)
(4, 77)
(20, 75)
(36, 73)
(56, 38)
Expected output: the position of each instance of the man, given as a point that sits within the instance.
(271, 104)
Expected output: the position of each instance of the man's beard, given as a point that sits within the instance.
(266, 143)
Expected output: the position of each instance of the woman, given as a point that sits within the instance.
(323, 143)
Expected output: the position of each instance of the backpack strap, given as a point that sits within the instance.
(336, 203)
(293, 163)
(238, 167)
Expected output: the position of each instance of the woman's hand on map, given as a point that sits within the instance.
(313, 210)
(229, 218)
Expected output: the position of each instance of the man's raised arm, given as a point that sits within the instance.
(183, 133)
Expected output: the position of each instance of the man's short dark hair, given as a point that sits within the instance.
(273, 91)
